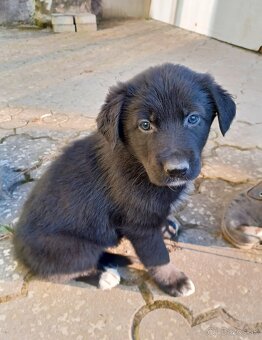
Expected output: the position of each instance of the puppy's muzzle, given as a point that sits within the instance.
(175, 168)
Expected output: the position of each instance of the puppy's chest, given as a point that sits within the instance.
(142, 211)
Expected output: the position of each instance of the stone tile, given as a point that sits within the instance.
(4, 117)
(209, 147)
(233, 165)
(61, 135)
(74, 311)
(28, 158)
(4, 133)
(55, 119)
(11, 278)
(201, 216)
(29, 114)
(12, 124)
(168, 324)
(250, 111)
(223, 277)
(10, 179)
(9, 112)
(10, 207)
(79, 123)
(251, 136)
(23, 152)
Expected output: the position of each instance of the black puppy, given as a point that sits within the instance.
(122, 180)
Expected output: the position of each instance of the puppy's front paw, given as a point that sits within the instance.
(171, 280)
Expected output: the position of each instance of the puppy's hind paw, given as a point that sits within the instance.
(109, 279)
(188, 288)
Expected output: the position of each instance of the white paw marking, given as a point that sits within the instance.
(189, 289)
(110, 278)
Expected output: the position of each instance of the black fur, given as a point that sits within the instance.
(114, 184)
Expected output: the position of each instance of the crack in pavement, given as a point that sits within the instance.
(187, 314)
(23, 292)
(237, 147)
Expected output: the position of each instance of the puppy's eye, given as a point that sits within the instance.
(193, 119)
(145, 125)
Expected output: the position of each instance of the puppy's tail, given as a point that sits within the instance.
(109, 264)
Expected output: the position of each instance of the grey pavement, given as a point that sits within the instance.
(52, 86)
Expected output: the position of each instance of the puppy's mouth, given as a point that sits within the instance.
(171, 182)
(176, 182)
(168, 181)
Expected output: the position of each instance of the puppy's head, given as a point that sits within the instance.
(163, 117)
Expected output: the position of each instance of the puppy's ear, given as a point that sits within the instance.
(108, 120)
(225, 107)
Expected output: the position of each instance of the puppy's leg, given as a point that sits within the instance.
(171, 227)
(153, 254)
(57, 257)
(110, 263)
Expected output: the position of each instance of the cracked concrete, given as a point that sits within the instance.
(52, 89)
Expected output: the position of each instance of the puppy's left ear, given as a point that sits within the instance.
(108, 120)
(225, 107)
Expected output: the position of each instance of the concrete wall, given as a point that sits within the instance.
(235, 21)
(125, 8)
(12, 11)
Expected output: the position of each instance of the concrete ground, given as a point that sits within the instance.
(52, 87)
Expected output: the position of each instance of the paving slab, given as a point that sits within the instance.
(202, 214)
(233, 165)
(24, 152)
(250, 136)
(239, 272)
(168, 324)
(70, 311)
(10, 206)
(11, 278)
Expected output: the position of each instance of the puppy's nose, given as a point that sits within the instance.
(176, 168)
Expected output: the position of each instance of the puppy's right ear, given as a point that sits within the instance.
(108, 120)
(225, 106)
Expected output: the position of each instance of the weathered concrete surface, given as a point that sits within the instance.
(11, 278)
(201, 215)
(75, 311)
(51, 91)
(167, 324)
(13, 11)
(209, 268)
